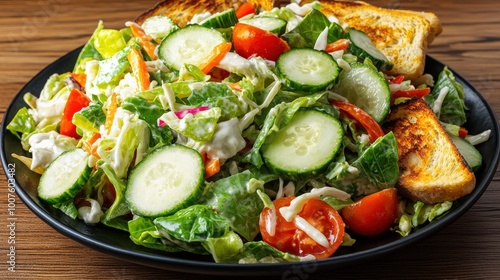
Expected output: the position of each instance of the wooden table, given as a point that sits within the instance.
(35, 33)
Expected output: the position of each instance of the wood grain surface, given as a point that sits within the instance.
(35, 33)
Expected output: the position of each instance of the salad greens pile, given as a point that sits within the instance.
(227, 115)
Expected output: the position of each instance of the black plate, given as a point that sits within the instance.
(118, 244)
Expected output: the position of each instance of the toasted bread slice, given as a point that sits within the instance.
(432, 169)
(401, 35)
(181, 12)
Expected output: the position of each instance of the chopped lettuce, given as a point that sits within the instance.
(88, 52)
(128, 139)
(218, 95)
(453, 105)
(419, 213)
(22, 122)
(111, 70)
(305, 34)
(143, 232)
(236, 199)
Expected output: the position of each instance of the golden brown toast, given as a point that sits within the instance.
(181, 12)
(432, 169)
(401, 35)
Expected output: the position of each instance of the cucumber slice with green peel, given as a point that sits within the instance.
(470, 154)
(304, 146)
(189, 45)
(366, 88)
(363, 47)
(166, 180)
(307, 70)
(271, 24)
(65, 177)
(223, 19)
(159, 27)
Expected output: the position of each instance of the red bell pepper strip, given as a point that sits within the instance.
(77, 100)
(364, 119)
(245, 9)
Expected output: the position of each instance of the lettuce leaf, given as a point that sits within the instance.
(22, 123)
(305, 34)
(221, 96)
(453, 107)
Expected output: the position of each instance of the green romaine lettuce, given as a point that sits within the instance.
(219, 95)
(22, 123)
(149, 112)
(305, 34)
(143, 232)
(236, 199)
(453, 107)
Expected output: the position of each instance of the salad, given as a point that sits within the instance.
(251, 137)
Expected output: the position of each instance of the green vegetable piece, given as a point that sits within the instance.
(195, 223)
(306, 33)
(22, 122)
(453, 106)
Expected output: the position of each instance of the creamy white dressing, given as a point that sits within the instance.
(322, 40)
(226, 141)
(291, 211)
(311, 231)
(45, 147)
(289, 189)
(439, 101)
(90, 214)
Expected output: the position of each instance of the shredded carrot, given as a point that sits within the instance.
(80, 78)
(110, 113)
(89, 145)
(235, 86)
(340, 44)
(144, 40)
(212, 167)
(139, 68)
(215, 57)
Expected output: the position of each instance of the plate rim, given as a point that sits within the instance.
(202, 267)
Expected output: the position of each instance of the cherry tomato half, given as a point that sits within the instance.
(249, 40)
(372, 214)
(289, 238)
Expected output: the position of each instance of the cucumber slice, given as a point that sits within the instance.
(168, 179)
(304, 146)
(366, 88)
(271, 24)
(223, 19)
(188, 45)
(65, 177)
(363, 47)
(470, 154)
(307, 70)
(159, 27)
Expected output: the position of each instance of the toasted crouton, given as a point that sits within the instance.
(181, 12)
(432, 169)
(401, 35)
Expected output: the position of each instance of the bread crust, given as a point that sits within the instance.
(431, 168)
(401, 35)
(181, 12)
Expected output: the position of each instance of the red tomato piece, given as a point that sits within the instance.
(364, 119)
(289, 238)
(245, 9)
(77, 100)
(410, 93)
(373, 214)
(249, 40)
